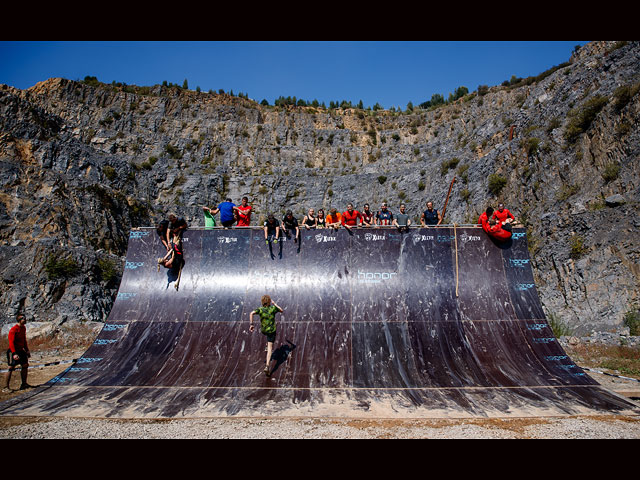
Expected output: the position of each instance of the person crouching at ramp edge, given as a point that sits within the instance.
(267, 313)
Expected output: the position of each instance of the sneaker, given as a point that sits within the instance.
(6, 390)
(267, 372)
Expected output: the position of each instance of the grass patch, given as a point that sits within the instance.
(632, 320)
(559, 328)
(60, 268)
(496, 183)
(580, 119)
(621, 358)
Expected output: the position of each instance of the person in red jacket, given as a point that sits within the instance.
(484, 219)
(503, 214)
(350, 217)
(496, 230)
(18, 352)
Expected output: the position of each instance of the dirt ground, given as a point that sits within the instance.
(573, 427)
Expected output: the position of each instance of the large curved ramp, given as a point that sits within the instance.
(437, 322)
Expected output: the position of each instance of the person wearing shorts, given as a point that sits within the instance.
(267, 313)
(226, 208)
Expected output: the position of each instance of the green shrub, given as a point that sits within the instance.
(559, 328)
(531, 145)
(578, 248)
(60, 268)
(623, 95)
(107, 270)
(632, 320)
(109, 172)
(173, 151)
(581, 119)
(448, 165)
(611, 172)
(496, 183)
(567, 191)
(382, 179)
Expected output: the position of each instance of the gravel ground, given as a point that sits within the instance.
(609, 427)
(605, 427)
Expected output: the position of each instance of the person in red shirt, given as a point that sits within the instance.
(243, 213)
(350, 217)
(484, 219)
(18, 352)
(367, 216)
(496, 231)
(503, 214)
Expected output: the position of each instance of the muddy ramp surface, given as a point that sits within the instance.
(433, 323)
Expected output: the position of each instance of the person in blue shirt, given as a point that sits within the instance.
(226, 209)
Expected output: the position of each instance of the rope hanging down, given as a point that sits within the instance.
(455, 237)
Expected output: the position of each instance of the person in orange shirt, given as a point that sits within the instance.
(18, 352)
(334, 219)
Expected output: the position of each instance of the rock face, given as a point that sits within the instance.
(83, 162)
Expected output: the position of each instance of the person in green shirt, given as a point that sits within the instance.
(267, 313)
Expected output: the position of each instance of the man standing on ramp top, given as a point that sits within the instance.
(267, 313)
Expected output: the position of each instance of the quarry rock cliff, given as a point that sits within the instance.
(83, 162)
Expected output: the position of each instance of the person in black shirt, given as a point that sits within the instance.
(289, 222)
(430, 217)
(177, 226)
(161, 230)
(271, 229)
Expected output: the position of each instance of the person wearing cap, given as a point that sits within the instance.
(18, 352)
(384, 216)
(289, 222)
(271, 229)
(334, 219)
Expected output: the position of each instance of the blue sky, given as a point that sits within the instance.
(387, 72)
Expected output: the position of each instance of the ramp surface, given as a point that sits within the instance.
(437, 322)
